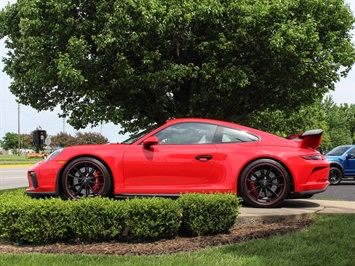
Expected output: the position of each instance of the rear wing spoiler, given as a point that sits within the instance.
(310, 139)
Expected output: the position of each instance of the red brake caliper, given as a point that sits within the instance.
(253, 190)
(97, 181)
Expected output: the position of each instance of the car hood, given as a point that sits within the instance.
(334, 158)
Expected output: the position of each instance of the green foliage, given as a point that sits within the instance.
(64, 139)
(337, 122)
(152, 218)
(10, 141)
(90, 138)
(97, 219)
(340, 123)
(135, 63)
(326, 242)
(27, 220)
(206, 214)
(10, 159)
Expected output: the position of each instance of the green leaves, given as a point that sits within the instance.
(135, 63)
(27, 220)
(208, 214)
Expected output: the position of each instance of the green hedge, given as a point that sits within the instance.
(28, 220)
(152, 218)
(208, 214)
(96, 219)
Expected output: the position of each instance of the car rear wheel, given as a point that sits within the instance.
(264, 183)
(335, 175)
(86, 177)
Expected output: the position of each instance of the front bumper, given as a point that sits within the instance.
(43, 179)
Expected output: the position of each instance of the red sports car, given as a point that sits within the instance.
(189, 155)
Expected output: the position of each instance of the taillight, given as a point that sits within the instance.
(317, 157)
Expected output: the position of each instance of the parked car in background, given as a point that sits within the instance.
(342, 163)
(186, 156)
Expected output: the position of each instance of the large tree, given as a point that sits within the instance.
(9, 141)
(137, 62)
(64, 139)
(340, 122)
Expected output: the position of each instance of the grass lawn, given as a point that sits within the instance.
(6, 159)
(329, 241)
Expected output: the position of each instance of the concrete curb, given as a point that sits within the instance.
(294, 209)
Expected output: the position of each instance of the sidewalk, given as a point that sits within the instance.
(294, 209)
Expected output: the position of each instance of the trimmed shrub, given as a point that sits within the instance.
(208, 214)
(27, 220)
(24, 219)
(152, 218)
(97, 219)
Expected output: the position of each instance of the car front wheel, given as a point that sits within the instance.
(86, 177)
(335, 175)
(264, 183)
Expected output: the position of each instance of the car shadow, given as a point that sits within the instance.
(347, 183)
(291, 203)
(299, 203)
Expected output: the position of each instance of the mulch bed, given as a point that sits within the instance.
(238, 234)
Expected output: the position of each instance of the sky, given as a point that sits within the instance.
(24, 119)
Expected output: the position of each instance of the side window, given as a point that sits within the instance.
(352, 151)
(187, 133)
(231, 135)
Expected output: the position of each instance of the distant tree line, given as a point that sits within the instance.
(337, 121)
(62, 139)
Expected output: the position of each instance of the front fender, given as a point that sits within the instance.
(338, 165)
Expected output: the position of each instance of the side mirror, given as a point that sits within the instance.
(350, 156)
(147, 143)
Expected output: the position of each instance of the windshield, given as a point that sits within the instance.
(338, 151)
(135, 137)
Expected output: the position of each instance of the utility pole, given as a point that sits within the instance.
(19, 131)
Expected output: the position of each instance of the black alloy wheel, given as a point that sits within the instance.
(335, 175)
(86, 177)
(264, 183)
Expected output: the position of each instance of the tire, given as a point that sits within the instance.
(335, 175)
(264, 183)
(86, 177)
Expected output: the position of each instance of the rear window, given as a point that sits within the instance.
(232, 135)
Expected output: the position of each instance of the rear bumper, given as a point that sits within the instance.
(306, 194)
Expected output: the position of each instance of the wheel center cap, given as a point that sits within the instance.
(86, 180)
(264, 182)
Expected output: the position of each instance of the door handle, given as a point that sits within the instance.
(204, 157)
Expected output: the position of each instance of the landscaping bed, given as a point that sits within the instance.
(238, 234)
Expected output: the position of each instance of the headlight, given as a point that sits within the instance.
(53, 154)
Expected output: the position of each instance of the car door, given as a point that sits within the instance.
(349, 163)
(181, 161)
